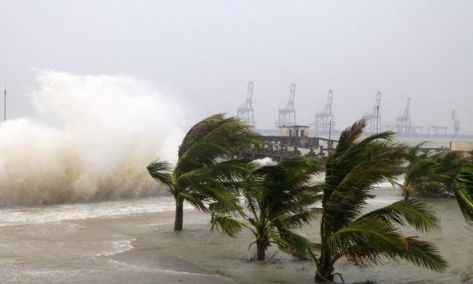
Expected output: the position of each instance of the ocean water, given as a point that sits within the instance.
(228, 256)
(132, 241)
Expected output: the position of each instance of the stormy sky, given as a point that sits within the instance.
(204, 52)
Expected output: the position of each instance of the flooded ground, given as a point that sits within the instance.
(133, 242)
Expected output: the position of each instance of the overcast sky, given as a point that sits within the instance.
(205, 52)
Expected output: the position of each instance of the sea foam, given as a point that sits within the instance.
(91, 139)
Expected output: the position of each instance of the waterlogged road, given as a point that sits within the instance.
(133, 242)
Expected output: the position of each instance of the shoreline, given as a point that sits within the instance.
(143, 248)
(146, 254)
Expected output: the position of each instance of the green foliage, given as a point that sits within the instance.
(277, 197)
(450, 165)
(355, 167)
(464, 193)
(422, 176)
(205, 172)
(432, 175)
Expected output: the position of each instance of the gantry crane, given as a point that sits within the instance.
(246, 112)
(287, 115)
(324, 119)
(435, 130)
(456, 123)
(404, 125)
(373, 118)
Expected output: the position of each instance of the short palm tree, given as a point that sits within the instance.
(450, 164)
(422, 176)
(206, 175)
(352, 170)
(277, 199)
(463, 190)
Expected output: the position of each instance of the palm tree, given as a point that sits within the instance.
(450, 165)
(422, 176)
(464, 193)
(352, 170)
(206, 172)
(276, 199)
(432, 175)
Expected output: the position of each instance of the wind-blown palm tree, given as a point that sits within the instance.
(432, 175)
(464, 193)
(277, 199)
(450, 165)
(205, 172)
(422, 176)
(352, 170)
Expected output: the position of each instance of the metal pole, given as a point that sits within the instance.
(377, 119)
(330, 135)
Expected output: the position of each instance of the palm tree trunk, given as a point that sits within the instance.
(324, 274)
(179, 214)
(406, 195)
(324, 268)
(260, 250)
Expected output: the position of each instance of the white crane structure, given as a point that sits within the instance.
(246, 112)
(373, 118)
(324, 119)
(287, 115)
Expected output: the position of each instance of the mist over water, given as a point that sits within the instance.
(91, 139)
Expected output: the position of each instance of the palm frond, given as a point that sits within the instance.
(464, 193)
(411, 212)
(199, 130)
(294, 221)
(366, 244)
(287, 185)
(195, 200)
(449, 166)
(413, 152)
(227, 224)
(224, 202)
(348, 137)
(161, 171)
(424, 254)
(364, 241)
(214, 139)
(351, 176)
(291, 242)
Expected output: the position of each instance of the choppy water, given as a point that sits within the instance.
(65, 244)
(228, 256)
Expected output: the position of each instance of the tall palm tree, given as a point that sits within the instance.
(276, 199)
(352, 170)
(206, 172)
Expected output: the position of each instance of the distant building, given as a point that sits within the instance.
(293, 131)
(461, 146)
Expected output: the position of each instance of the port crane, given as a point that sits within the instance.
(373, 118)
(287, 115)
(404, 124)
(324, 119)
(246, 112)
(456, 123)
